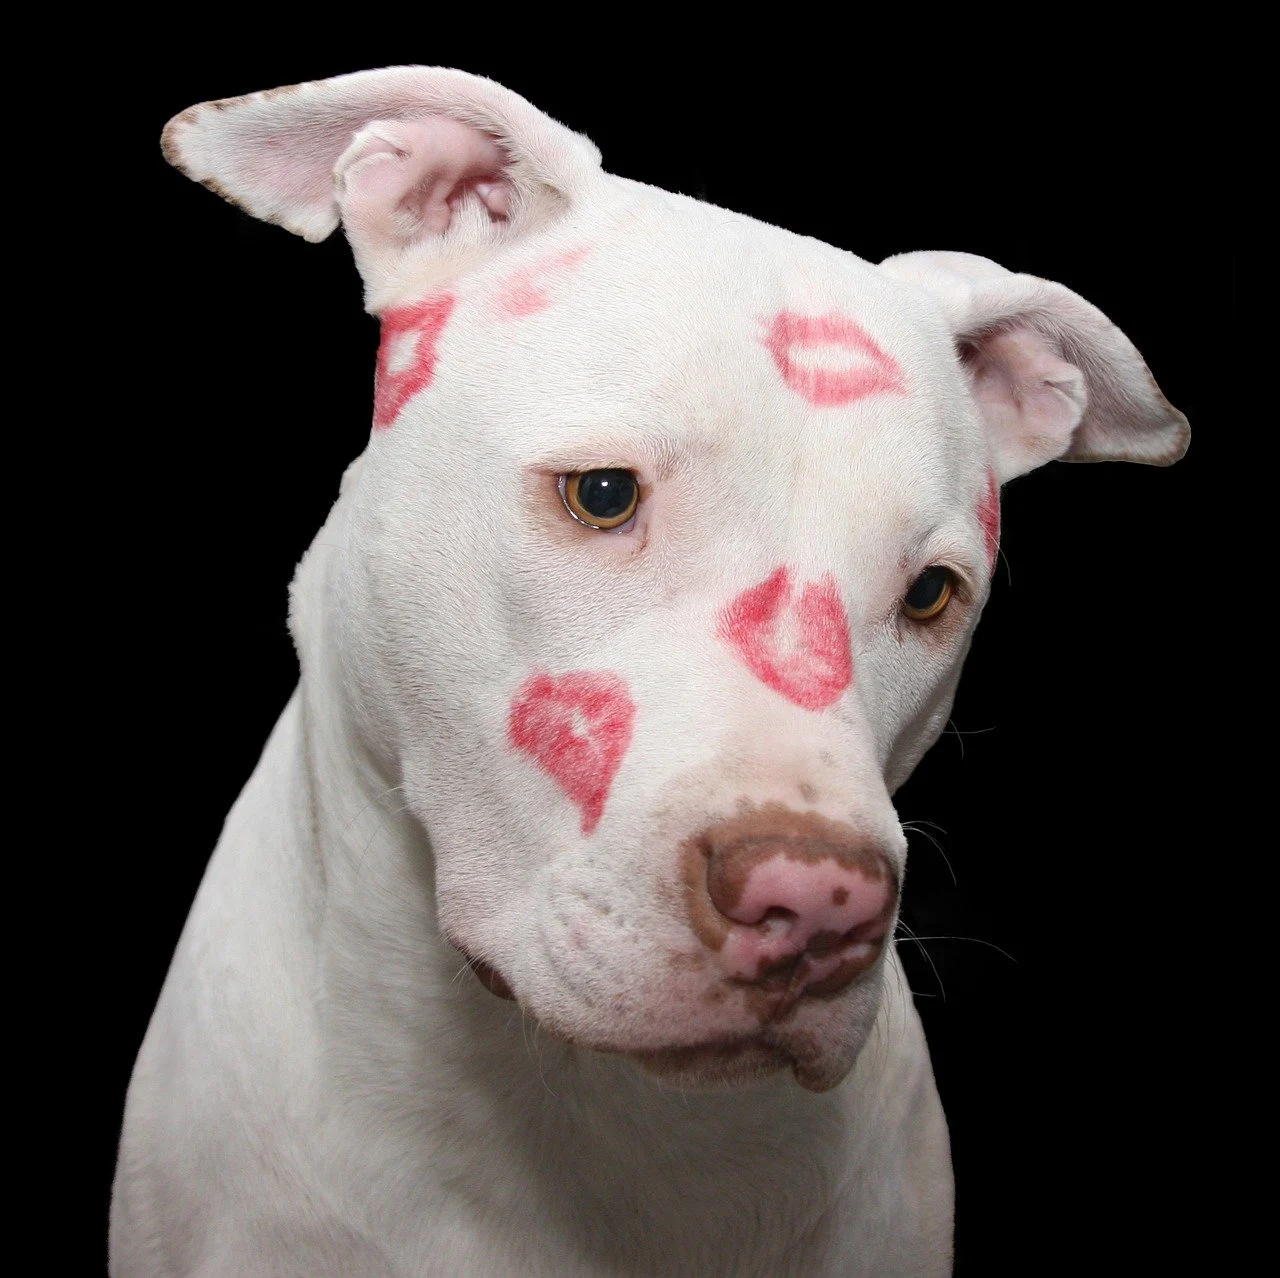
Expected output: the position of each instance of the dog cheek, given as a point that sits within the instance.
(577, 728)
(533, 289)
(407, 355)
(989, 519)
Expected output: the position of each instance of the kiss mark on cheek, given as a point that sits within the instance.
(799, 647)
(989, 518)
(802, 346)
(525, 291)
(576, 727)
(407, 355)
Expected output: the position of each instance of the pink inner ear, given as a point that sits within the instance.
(400, 179)
(1032, 400)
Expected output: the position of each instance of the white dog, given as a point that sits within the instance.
(653, 583)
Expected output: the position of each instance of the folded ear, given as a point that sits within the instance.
(1053, 377)
(426, 168)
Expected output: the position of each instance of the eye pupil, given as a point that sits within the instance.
(606, 494)
(605, 498)
(929, 593)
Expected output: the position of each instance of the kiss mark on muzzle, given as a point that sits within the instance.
(576, 727)
(407, 355)
(800, 647)
(863, 368)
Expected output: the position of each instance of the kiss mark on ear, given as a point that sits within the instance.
(576, 727)
(407, 355)
(989, 518)
(862, 368)
(525, 292)
(799, 648)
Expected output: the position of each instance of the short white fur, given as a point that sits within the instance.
(324, 1089)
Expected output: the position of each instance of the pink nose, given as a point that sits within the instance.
(800, 901)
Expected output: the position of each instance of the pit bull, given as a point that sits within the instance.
(553, 933)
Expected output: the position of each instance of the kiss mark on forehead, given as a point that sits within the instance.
(525, 291)
(989, 518)
(798, 648)
(576, 727)
(407, 355)
(830, 359)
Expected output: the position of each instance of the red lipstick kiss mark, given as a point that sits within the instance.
(576, 727)
(409, 337)
(523, 293)
(989, 518)
(812, 665)
(871, 373)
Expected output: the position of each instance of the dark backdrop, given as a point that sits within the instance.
(1066, 800)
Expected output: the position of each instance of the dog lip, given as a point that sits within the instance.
(485, 973)
(491, 979)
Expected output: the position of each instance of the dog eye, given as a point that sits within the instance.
(600, 498)
(929, 594)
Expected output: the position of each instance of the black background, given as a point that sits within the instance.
(1060, 997)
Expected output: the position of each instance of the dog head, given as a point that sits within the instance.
(665, 552)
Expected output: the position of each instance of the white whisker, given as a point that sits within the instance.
(914, 828)
(977, 940)
(920, 941)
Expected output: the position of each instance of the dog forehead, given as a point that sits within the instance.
(659, 313)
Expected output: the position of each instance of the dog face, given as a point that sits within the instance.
(664, 555)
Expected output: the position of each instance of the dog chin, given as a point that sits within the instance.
(712, 1067)
(819, 1061)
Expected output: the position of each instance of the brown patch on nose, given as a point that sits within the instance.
(736, 847)
(807, 792)
(839, 895)
(779, 988)
(824, 942)
(716, 864)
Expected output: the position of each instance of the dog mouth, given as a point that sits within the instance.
(489, 977)
(709, 1066)
(714, 1064)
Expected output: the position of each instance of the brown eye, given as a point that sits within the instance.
(929, 594)
(600, 498)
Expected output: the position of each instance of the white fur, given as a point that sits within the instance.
(324, 1089)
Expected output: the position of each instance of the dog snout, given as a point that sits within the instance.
(791, 899)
